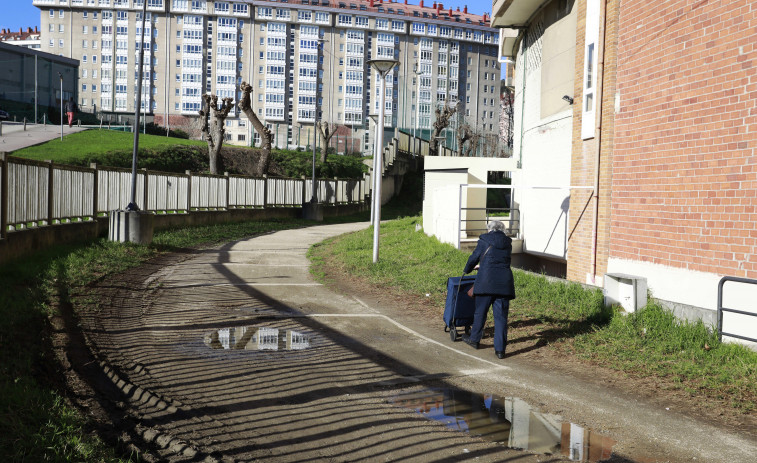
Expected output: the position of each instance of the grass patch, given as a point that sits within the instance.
(651, 343)
(88, 146)
(36, 422)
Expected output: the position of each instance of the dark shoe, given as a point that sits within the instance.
(500, 354)
(467, 340)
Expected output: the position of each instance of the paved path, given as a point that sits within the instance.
(349, 395)
(14, 137)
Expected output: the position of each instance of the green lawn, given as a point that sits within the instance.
(651, 343)
(77, 147)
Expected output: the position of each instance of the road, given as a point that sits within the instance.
(15, 136)
(349, 374)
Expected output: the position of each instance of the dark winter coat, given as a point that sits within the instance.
(71, 107)
(494, 274)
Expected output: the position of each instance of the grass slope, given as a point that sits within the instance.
(681, 356)
(79, 147)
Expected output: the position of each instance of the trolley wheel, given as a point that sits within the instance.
(453, 334)
(467, 329)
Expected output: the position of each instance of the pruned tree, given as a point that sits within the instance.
(265, 134)
(325, 132)
(443, 115)
(213, 130)
(466, 134)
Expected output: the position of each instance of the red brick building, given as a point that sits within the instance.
(665, 135)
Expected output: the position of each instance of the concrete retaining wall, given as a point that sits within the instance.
(23, 242)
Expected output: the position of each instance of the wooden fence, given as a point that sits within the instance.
(37, 193)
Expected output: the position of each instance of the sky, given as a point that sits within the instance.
(21, 13)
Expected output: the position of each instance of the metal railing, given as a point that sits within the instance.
(511, 218)
(722, 309)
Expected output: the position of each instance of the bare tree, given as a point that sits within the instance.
(325, 132)
(265, 134)
(213, 130)
(443, 116)
(466, 134)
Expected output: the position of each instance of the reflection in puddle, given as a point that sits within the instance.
(510, 421)
(257, 338)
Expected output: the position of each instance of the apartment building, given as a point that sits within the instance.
(306, 60)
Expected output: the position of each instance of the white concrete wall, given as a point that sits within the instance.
(441, 205)
(698, 289)
(543, 146)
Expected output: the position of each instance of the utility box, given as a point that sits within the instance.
(628, 291)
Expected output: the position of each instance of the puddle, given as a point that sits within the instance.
(509, 421)
(257, 338)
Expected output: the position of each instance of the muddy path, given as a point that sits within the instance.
(236, 354)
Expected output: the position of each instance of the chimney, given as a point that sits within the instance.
(434, 5)
(20, 30)
(450, 12)
(405, 2)
(458, 9)
(465, 9)
(371, 3)
(35, 30)
(421, 4)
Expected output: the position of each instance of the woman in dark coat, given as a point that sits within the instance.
(493, 287)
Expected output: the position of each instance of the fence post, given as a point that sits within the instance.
(265, 191)
(24, 124)
(304, 189)
(50, 196)
(228, 187)
(336, 191)
(95, 191)
(145, 190)
(3, 195)
(189, 191)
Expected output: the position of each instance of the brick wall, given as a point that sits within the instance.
(684, 167)
(583, 155)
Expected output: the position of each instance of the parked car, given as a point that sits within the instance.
(3, 115)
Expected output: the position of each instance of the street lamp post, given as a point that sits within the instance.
(133, 203)
(61, 105)
(312, 210)
(383, 66)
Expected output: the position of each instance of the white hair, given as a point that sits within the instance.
(495, 225)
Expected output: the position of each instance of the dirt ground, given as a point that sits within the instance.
(135, 364)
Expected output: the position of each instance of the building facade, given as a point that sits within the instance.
(31, 76)
(661, 154)
(305, 60)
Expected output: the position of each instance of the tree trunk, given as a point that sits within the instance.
(442, 122)
(213, 127)
(325, 133)
(265, 134)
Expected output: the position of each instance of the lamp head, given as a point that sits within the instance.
(383, 65)
(568, 99)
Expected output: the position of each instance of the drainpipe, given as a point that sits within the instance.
(522, 105)
(598, 135)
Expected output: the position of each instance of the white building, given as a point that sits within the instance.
(305, 59)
